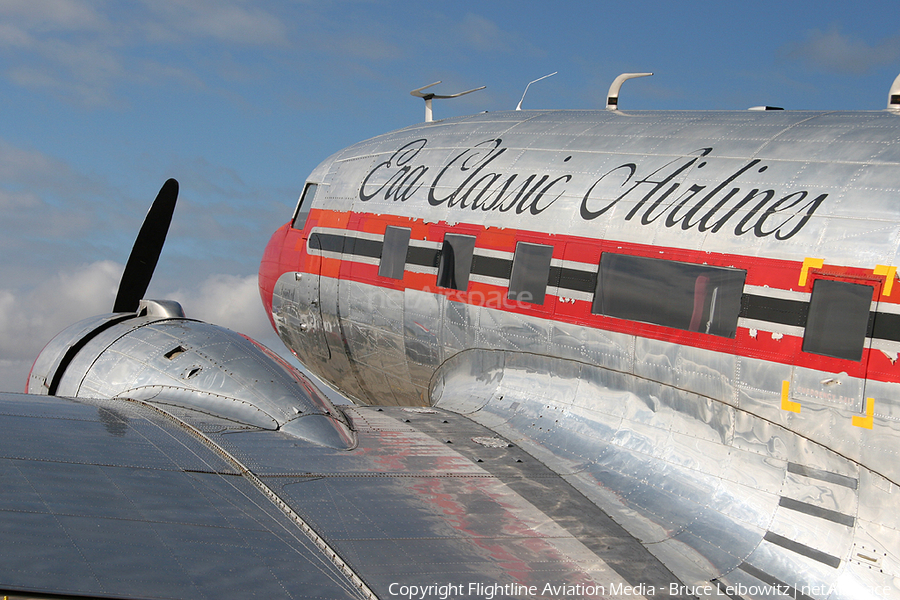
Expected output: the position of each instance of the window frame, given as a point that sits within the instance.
(460, 248)
(837, 319)
(301, 212)
(394, 252)
(530, 261)
(670, 293)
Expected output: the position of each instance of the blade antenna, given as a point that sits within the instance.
(612, 97)
(519, 105)
(428, 97)
(147, 248)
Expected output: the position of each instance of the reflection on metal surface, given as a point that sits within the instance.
(155, 510)
(179, 362)
(712, 493)
(116, 424)
(623, 347)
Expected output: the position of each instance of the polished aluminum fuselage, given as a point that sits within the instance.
(737, 460)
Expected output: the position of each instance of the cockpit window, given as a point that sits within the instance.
(306, 200)
(687, 296)
(838, 319)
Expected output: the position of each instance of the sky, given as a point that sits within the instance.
(102, 100)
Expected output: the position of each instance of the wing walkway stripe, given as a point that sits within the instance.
(766, 578)
(813, 473)
(817, 511)
(803, 550)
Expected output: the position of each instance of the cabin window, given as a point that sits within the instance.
(456, 261)
(674, 294)
(530, 273)
(306, 200)
(393, 252)
(838, 319)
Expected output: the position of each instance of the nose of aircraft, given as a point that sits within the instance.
(270, 268)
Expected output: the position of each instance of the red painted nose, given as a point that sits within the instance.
(271, 268)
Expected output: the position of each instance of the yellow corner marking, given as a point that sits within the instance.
(868, 420)
(889, 273)
(786, 403)
(809, 263)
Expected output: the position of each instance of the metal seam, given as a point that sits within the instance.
(270, 494)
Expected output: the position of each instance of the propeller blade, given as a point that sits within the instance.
(147, 248)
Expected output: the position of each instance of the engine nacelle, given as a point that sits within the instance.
(160, 357)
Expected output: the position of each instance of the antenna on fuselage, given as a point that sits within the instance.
(894, 95)
(612, 97)
(519, 105)
(429, 97)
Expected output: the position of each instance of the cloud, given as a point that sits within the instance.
(10, 201)
(227, 300)
(833, 51)
(45, 201)
(54, 14)
(56, 42)
(85, 52)
(364, 46)
(473, 32)
(14, 37)
(231, 22)
(29, 166)
(484, 35)
(30, 318)
(79, 71)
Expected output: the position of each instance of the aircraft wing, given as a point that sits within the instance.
(124, 499)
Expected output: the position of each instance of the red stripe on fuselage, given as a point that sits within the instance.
(761, 272)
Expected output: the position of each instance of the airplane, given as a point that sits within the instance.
(586, 353)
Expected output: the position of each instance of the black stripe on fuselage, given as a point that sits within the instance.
(363, 247)
(884, 326)
(574, 279)
(488, 266)
(774, 310)
(424, 257)
(327, 242)
(345, 244)
(767, 309)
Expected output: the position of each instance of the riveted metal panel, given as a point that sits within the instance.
(135, 505)
(599, 142)
(751, 500)
(714, 425)
(595, 346)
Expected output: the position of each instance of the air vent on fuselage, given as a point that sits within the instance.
(171, 354)
(612, 96)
